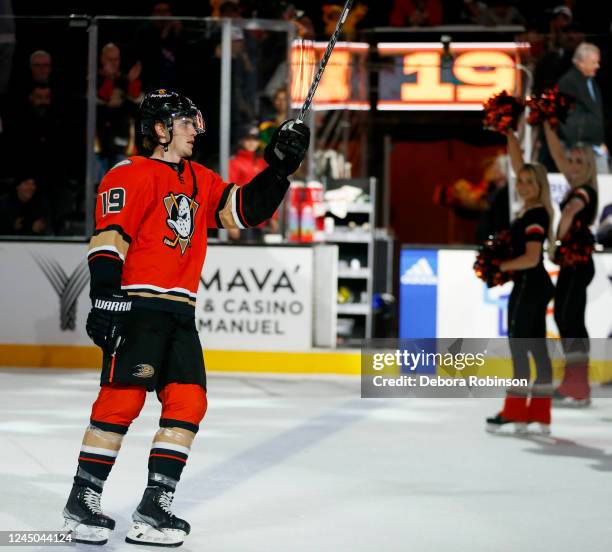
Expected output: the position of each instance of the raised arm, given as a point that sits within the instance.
(557, 151)
(248, 206)
(515, 153)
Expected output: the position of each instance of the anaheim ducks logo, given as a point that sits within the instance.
(144, 371)
(181, 218)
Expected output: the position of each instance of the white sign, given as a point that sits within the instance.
(256, 298)
(467, 308)
(44, 293)
(250, 298)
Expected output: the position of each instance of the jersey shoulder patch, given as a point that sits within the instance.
(122, 164)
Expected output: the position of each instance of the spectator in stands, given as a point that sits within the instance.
(497, 12)
(41, 66)
(23, 212)
(244, 74)
(242, 168)
(416, 13)
(118, 98)
(272, 121)
(39, 72)
(562, 40)
(331, 14)
(244, 80)
(230, 8)
(159, 45)
(278, 81)
(247, 162)
(585, 123)
(34, 129)
(559, 24)
(43, 73)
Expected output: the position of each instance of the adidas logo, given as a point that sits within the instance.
(419, 274)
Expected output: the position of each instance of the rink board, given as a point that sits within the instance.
(259, 299)
(81, 356)
(440, 296)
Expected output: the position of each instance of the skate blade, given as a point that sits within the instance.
(86, 534)
(143, 533)
(569, 402)
(511, 428)
(537, 428)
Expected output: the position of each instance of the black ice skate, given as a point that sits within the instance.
(499, 424)
(153, 522)
(83, 516)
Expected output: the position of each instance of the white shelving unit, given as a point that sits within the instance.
(355, 243)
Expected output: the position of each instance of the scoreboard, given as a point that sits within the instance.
(425, 76)
(344, 84)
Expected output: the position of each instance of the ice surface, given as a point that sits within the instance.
(302, 463)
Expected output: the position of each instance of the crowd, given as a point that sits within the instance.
(43, 113)
(43, 110)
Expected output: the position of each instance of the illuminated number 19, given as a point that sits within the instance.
(113, 200)
(485, 73)
(428, 86)
(482, 72)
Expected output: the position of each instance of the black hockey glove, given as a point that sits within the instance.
(105, 320)
(288, 147)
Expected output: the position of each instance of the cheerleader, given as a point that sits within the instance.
(578, 211)
(531, 293)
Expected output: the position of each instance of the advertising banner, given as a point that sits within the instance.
(256, 298)
(463, 306)
(250, 298)
(44, 293)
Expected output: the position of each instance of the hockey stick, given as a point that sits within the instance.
(324, 60)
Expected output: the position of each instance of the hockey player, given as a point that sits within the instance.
(145, 258)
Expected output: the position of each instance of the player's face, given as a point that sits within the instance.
(184, 132)
(527, 186)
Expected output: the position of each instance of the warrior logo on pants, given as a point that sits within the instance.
(181, 217)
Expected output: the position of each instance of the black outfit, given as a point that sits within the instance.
(571, 294)
(532, 291)
(164, 343)
(585, 123)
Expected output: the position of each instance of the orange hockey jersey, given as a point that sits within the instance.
(153, 217)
